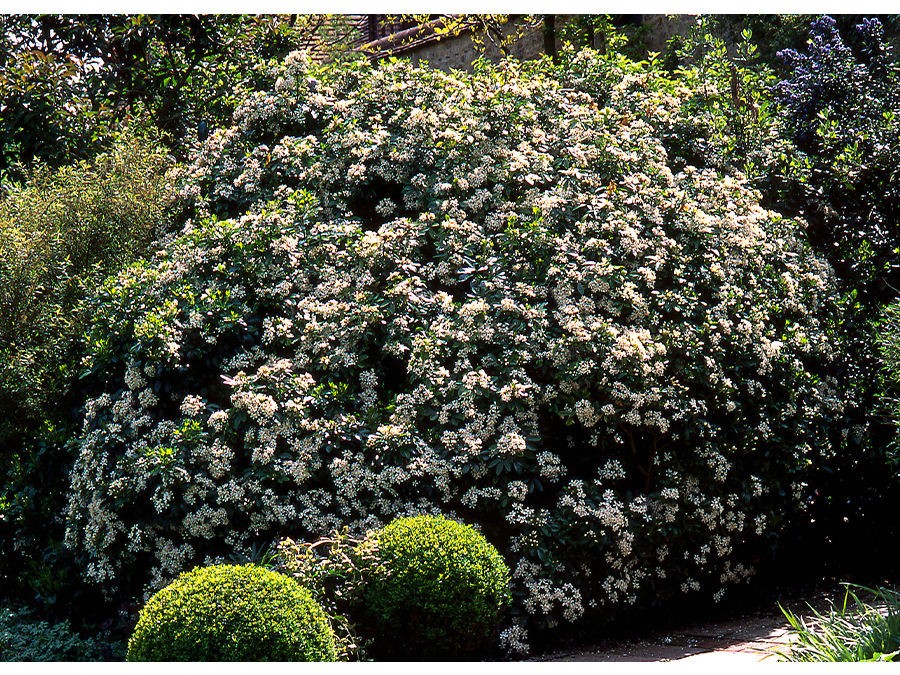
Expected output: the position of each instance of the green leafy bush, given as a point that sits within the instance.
(232, 613)
(439, 584)
(888, 343)
(862, 630)
(25, 638)
(487, 295)
(334, 569)
(725, 119)
(61, 232)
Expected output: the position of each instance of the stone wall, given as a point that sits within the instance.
(660, 28)
(459, 52)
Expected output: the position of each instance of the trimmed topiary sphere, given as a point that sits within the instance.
(232, 613)
(439, 589)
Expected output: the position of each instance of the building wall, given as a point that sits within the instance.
(662, 27)
(460, 52)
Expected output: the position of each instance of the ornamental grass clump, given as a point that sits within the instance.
(439, 584)
(232, 613)
(859, 630)
(485, 295)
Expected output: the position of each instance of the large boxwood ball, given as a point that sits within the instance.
(232, 613)
(439, 589)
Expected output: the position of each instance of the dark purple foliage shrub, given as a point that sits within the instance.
(841, 105)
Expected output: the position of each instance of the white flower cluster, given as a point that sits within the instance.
(483, 295)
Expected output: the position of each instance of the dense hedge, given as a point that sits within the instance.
(489, 296)
(232, 613)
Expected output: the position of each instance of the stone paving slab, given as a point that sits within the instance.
(727, 659)
(637, 653)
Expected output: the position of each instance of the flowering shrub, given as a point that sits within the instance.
(842, 107)
(487, 296)
(439, 584)
(232, 613)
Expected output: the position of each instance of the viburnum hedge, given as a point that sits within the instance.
(487, 296)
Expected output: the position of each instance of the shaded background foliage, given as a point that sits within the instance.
(814, 129)
(68, 81)
(839, 104)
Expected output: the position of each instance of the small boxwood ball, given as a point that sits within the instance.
(439, 590)
(232, 613)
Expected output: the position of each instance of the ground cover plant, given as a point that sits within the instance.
(489, 296)
(864, 627)
(24, 637)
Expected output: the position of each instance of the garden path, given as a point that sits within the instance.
(746, 640)
(749, 637)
